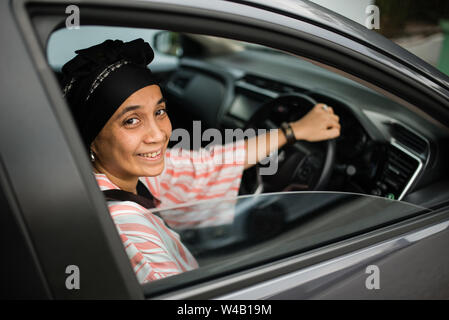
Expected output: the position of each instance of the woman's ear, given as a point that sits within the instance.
(92, 147)
(92, 152)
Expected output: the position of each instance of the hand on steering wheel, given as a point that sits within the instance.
(303, 165)
(318, 124)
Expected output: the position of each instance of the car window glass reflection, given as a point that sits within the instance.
(258, 228)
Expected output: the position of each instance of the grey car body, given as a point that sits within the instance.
(48, 193)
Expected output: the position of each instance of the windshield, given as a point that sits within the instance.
(247, 231)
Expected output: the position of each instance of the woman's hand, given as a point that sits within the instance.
(318, 124)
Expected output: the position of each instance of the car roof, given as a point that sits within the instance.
(325, 18)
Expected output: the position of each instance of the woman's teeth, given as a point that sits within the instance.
(150, 155)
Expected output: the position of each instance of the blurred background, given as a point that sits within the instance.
(420, 26)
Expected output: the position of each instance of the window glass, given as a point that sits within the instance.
(278, 224)
(248, 231)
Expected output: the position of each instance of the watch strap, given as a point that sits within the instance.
(288, 132)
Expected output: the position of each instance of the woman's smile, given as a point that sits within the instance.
(151, 156)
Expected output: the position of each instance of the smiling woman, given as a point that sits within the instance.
(132, 142)
(123, 120)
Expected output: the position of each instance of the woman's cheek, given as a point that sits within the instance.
(129, 140)
(168, 129)
(117, 155)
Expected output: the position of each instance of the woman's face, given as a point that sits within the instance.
(132, 144)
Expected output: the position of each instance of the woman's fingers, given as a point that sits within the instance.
(333, 126)
(337, 118)
(320, 123)
(332, 133)
(325, 108)
(333, 122)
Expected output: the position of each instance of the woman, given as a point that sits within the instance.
(122, 117)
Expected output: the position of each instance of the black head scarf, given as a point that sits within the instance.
(98, 79)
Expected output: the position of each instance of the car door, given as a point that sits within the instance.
(67, 224)
(50, 206)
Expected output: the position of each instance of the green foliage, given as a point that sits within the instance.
(395, 14)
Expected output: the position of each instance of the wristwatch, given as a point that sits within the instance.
(288, 132)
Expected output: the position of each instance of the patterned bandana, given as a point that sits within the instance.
(100, 78)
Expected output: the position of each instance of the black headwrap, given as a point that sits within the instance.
(100, 78)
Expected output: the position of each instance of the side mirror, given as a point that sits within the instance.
(169, 43)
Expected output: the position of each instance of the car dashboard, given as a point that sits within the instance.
(384, 149)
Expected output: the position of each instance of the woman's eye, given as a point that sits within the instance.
(161, 112)
(131, 121)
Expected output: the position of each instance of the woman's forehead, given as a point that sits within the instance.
(149, 96)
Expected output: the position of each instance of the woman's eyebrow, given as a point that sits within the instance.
(162, 100)
(132, 108)
(127, 109)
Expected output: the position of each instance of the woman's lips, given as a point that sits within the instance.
(151, 156)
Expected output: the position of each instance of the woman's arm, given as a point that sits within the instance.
(317, 125)
(154, 250)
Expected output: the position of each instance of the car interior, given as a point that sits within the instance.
(385, 149)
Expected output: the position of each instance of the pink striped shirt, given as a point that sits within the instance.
(155, 251)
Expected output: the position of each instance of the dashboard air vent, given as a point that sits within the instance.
(408, 138)
(398, 171)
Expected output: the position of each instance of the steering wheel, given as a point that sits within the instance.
(300, 166)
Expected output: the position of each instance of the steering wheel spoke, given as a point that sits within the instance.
(301, 166)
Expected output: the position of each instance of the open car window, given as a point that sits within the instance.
(222, 83)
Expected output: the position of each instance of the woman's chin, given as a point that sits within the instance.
(153, 169)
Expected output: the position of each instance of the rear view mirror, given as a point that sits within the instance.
(169, 43)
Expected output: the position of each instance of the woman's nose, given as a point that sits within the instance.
(154, 133)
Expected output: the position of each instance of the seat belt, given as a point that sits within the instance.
(143, 196)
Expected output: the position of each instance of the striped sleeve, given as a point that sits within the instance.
(190, 176)
(154, 250)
